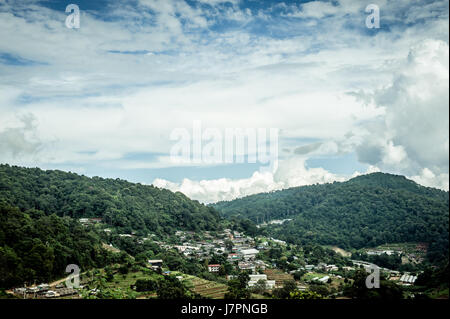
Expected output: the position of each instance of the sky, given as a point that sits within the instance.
(113, 97)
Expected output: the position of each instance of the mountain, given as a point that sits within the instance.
(365, 211)
(39, 229)
(121, 204)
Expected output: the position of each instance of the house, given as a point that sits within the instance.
(331, 268)
(66, 292)
(51, 294)
(246, 266)
(408, 279)
(249, 253)
(348, 268)
(214, 268)
(183, 248)
(270, 284)
(233, 257)
(155, 263)
(43, 287)
(260, 264)
(324, 279)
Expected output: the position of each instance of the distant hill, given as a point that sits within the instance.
(124, 205)
(365, 211)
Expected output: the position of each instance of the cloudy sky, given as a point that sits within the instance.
(104, 99)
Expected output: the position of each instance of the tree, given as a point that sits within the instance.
(146, 285)
(285, 291)
(237, 288)
(297, 294)
(388, 290)
(259, 287)
(171, 288)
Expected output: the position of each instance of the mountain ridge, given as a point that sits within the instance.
(367, 210)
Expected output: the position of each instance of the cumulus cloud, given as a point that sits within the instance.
(291, 173)
(19, 140)
(412, 137)
(135, 71)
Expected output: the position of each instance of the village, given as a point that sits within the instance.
(269, 262)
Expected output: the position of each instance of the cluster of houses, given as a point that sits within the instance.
(321, 266)
(44, 291)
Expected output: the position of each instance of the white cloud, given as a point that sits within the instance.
(291, 173)
(94, 101)
(413, 134)
(428, 178)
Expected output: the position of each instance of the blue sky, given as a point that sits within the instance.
(105, 99)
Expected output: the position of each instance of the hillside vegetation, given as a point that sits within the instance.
(365, 211)
(124, 205)
(39, 229)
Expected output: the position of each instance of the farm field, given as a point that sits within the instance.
(278, 275)
(203, 287)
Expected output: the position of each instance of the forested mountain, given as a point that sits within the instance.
(365, 211)
(39, 229)
(124, 205)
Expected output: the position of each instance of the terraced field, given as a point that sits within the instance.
(279, 276)
(205, 288)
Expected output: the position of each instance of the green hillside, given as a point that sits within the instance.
(39, 229)
(121, 204)
(365, 211)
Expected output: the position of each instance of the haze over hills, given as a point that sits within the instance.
(365, 211)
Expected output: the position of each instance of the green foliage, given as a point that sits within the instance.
(38, 247)
(237, 288)
(171, 288)
(285, 291)
(366, 211)
(434, 277)
(388, 290)
(146, 285)
(393, 261)
(305, 295)
(124, 205)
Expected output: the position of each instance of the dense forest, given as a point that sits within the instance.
(365, 211)
(38, 247)
(126, 206)
(39, 229)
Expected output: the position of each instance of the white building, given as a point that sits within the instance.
(214, 268)
(324, 279)
(270, 284)
(249, 253)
